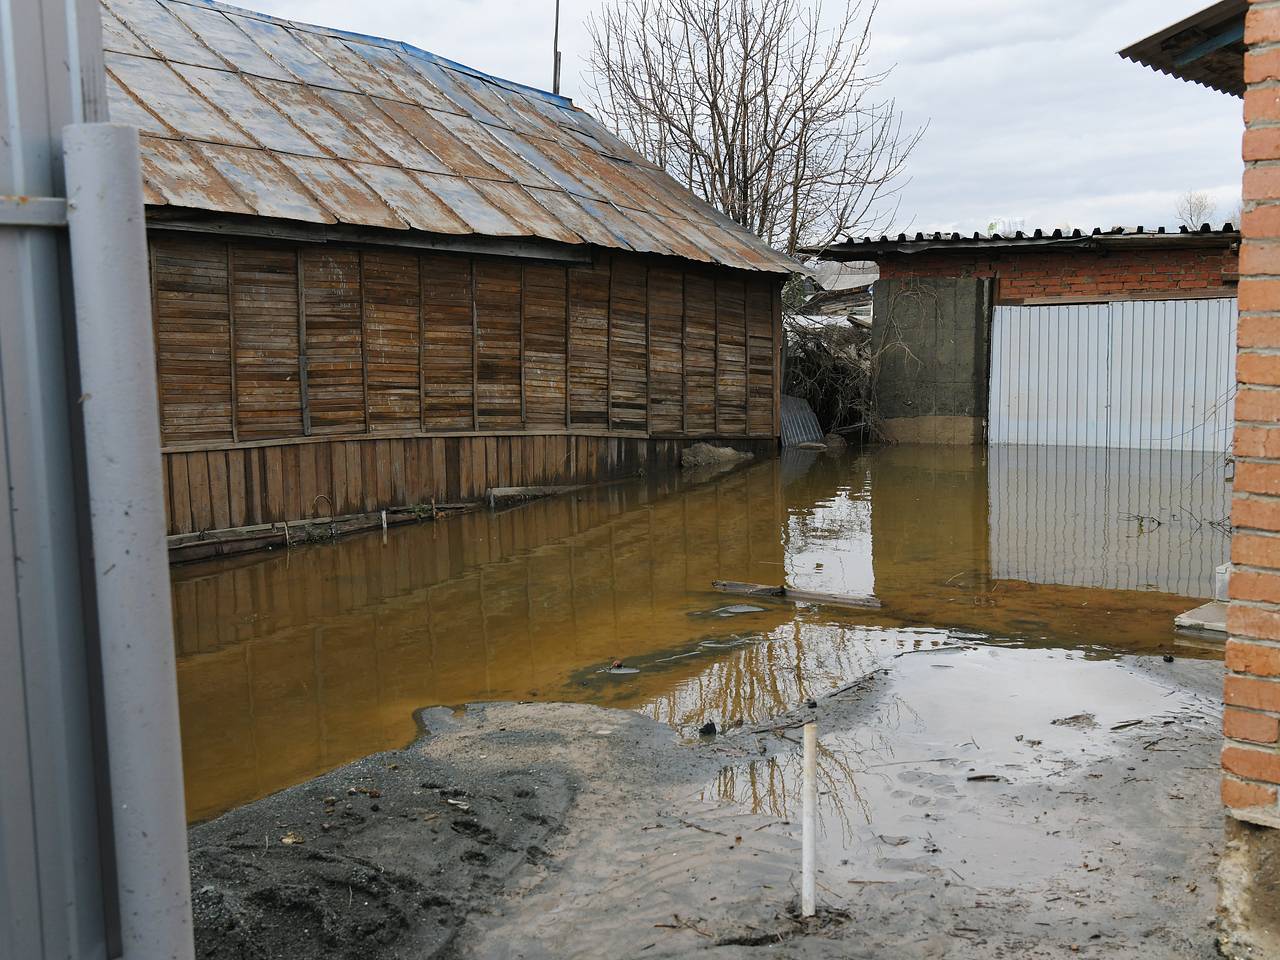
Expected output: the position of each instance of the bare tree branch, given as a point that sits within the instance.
(1194, 208)
(761, 107)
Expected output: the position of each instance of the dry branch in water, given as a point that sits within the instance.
(758, 106)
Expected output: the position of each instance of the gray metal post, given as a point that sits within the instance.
(127, 521)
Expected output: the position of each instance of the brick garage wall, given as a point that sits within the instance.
(1027, 273)
(1251, 721)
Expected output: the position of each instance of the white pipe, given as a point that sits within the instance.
(130, 563)
(809, 817)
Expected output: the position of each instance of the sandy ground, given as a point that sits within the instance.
(976, 803)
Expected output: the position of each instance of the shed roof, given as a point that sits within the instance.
(246, 114)
(1206, 48)
(868, 248)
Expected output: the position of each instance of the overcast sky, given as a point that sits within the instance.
(1031, 114)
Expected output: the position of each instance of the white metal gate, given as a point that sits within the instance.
(1153, 374)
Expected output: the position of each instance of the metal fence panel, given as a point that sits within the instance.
(83, 787)
(1145, 374)
(54, 851)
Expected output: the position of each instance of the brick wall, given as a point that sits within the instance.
(1079, 274)
(1251, 721)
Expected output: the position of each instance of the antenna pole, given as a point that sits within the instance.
(555, 54)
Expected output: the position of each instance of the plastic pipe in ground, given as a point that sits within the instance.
(809, 840)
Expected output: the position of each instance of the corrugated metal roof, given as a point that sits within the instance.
(864, 248)
(243, 113)
(1206, 48)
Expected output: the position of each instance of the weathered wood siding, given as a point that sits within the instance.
(295, 374)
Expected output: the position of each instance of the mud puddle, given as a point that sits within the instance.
(952, 767)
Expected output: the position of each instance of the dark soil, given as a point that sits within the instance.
(385, 857)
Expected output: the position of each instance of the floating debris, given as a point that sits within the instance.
(677, 656)
(722, 644)
(732, 610)
(735, 609)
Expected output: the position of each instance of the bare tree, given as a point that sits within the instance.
(1007, 226)
(1194, 208)
(758, 106)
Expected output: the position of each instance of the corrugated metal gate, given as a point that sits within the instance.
(1153, 374)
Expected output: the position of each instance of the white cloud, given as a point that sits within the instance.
(1051, 125)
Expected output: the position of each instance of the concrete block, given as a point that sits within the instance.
(1209, 619)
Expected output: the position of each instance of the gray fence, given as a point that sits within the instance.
(1152, 374)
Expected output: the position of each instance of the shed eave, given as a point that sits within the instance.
(1206, 48)
(184, 220)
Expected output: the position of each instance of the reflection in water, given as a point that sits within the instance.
(1120, 519)
(293, 663)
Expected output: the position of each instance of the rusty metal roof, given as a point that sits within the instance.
(1206, 48)
(867, 248)
(243, 113)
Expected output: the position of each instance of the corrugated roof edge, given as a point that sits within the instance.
(1215, 13)
(1038, 237)
(1158, 53)
(383, 42)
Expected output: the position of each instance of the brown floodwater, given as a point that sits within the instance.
(291, 663)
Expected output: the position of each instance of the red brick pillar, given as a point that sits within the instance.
(1250, 758)
(1250, 870)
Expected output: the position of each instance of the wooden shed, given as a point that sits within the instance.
(381, 278)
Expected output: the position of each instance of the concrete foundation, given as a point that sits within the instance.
(940, 430)
(1249, 892)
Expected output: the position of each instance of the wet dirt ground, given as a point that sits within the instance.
(1008, 765)
(566, 830)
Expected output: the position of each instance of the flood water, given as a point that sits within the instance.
(292, 663)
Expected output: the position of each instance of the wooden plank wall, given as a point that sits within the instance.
(334, 327)
(436, 375)
(589, 345)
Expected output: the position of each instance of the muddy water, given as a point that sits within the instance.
(292, 663)
(959, 755)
